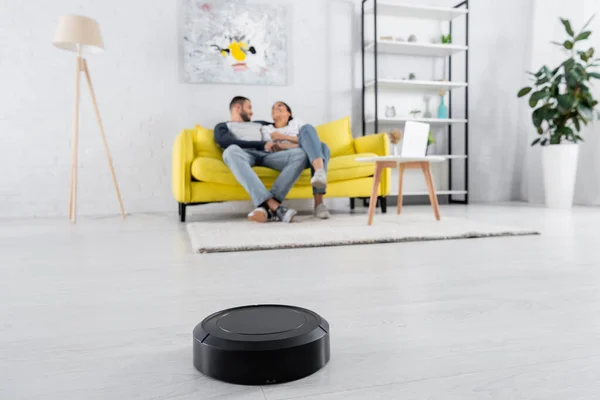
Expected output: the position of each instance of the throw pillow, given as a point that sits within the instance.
(205, 144)
(338, 136)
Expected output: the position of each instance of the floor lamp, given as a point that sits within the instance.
(82, 36)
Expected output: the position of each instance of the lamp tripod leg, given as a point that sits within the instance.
(75, 144)
(110, 163)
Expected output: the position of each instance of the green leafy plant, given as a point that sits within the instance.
(414, 113)
(447, 39)
(430, 139)
(561, 98)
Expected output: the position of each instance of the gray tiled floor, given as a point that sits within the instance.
(104, 310)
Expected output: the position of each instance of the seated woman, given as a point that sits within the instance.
(288, 132)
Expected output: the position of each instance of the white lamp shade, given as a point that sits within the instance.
(75, 31)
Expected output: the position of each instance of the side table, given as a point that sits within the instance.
(403, 163)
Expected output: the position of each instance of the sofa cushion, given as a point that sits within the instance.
(205, 145)
(338, 136)
(343, 168)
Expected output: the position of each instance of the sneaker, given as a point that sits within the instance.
(319, 179)
(322, 212)
(259, 214)
(285, 214)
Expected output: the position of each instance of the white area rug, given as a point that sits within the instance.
(341, 230)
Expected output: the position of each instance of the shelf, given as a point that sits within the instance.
(392, 9)
(415, 49)
(407, 159)
(432, 121)
(408, 84)
(393, 20)
(451, 156)
(438, 192)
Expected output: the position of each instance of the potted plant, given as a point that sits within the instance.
(395, 136)
(562, 104)
(431, 140)
(414, 113)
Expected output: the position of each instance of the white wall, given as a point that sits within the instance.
(500, 54)
(142, 103)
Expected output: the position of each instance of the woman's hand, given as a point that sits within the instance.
(279, 136)
(286, 146)
(272, 147)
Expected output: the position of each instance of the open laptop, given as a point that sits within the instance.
(414, 139)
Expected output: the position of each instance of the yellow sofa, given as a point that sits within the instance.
(200, 176)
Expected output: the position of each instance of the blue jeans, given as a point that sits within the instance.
(290, 163)
(309, 141)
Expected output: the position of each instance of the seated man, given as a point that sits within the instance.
(246, 147)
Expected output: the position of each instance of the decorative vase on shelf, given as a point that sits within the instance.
(427, 113)
(442, 109)
(390, 112)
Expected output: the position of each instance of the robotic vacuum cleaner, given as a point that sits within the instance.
(261, 344)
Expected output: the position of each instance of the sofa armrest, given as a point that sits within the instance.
(377, 143)
(183, 156)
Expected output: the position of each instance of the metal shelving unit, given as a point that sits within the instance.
(377, 47)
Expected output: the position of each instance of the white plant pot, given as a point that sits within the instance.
(559, 164)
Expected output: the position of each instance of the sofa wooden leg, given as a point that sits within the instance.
(182, 211)
(383, 203)
(352, 203)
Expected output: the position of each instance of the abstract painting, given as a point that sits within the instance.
(234, 42)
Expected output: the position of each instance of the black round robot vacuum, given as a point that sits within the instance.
(261, 344)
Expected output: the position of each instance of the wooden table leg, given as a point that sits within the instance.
(375, 193)
(432, 195)
(400, 179)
